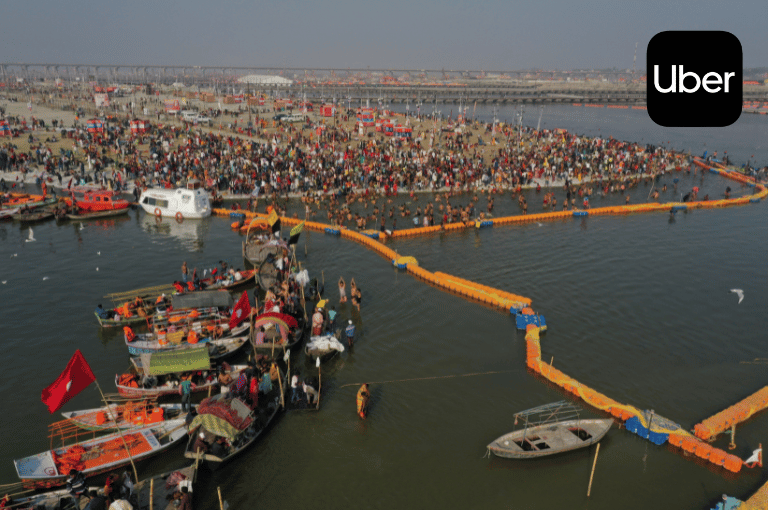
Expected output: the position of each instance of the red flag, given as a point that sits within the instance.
(241, 310)
(72, 381)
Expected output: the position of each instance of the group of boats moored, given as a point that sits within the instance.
(179, 344)
(180, 337)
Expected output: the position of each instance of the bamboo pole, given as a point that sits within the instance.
(151, 493)
(122, 438)
(594, 463)
(319, 383)
(221, 503)
(280, 382)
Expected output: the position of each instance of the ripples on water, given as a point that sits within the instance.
(638, 307)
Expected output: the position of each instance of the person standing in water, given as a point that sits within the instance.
(363, 395)
(342, 291)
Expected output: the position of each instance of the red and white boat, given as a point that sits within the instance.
(92, 201)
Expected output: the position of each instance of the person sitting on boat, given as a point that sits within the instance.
(260, 336)
(97, 502)
(224, 378)
(126, 487)
(295, 396)
(310, 391)
(253, 389)
(6, 501)
(186, 499)
(104, 314)
(109, 488)
(265, 386)
(317, 322)
(76, 483)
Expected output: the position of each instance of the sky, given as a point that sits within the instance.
(392, 34)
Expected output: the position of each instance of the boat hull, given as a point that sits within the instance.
(99, 214)
(549, 439)
(41, 469)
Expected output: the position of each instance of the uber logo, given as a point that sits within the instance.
(694, 78)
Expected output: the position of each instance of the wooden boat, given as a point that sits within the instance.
(324, 347)
(189, 317)
(13, 200)
(268, 273)
(32, 216)
(59, 499)
(124, 321)
(157, 375)
(256, 248)
(548, 430)
(99, 455)
(130, 415)
(160, 489)
(281, 331)
(148, 295)
(7, 214)
(248, 277)
(98, 214)
(169, 340)
(229, 425)
(217, 349)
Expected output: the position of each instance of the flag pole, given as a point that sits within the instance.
(112, 417)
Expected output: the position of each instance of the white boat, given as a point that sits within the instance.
(177, 203)
(100, 455)
(547, 430)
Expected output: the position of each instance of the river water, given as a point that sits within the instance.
(638, 307)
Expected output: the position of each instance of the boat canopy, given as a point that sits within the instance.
(170, 362)
(548, 413)
(203, 299)
(227, 417)
(215, 425)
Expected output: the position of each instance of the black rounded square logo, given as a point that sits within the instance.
(695, 78)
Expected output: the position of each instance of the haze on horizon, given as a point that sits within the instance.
(426, 34)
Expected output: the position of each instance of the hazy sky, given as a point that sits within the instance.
(421, 34)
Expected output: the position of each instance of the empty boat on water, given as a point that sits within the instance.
(548, 430)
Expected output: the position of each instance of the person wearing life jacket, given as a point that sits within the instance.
(130, 336)
(192, 337)
(178, 287)
(127, 309)
(363, 395)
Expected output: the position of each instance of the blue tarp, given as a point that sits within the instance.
(537, 320)
(636, 427)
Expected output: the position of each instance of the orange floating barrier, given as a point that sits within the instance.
(689, 444)
(703, 450)
(732, 463)
(676, 440)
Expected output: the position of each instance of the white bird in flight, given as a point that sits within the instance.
(5, 281)
(45, 278)
(98, 253)
(739, 293)
(81, 226)
(31, 236)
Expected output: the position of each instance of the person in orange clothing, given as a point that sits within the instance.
(363, 395)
